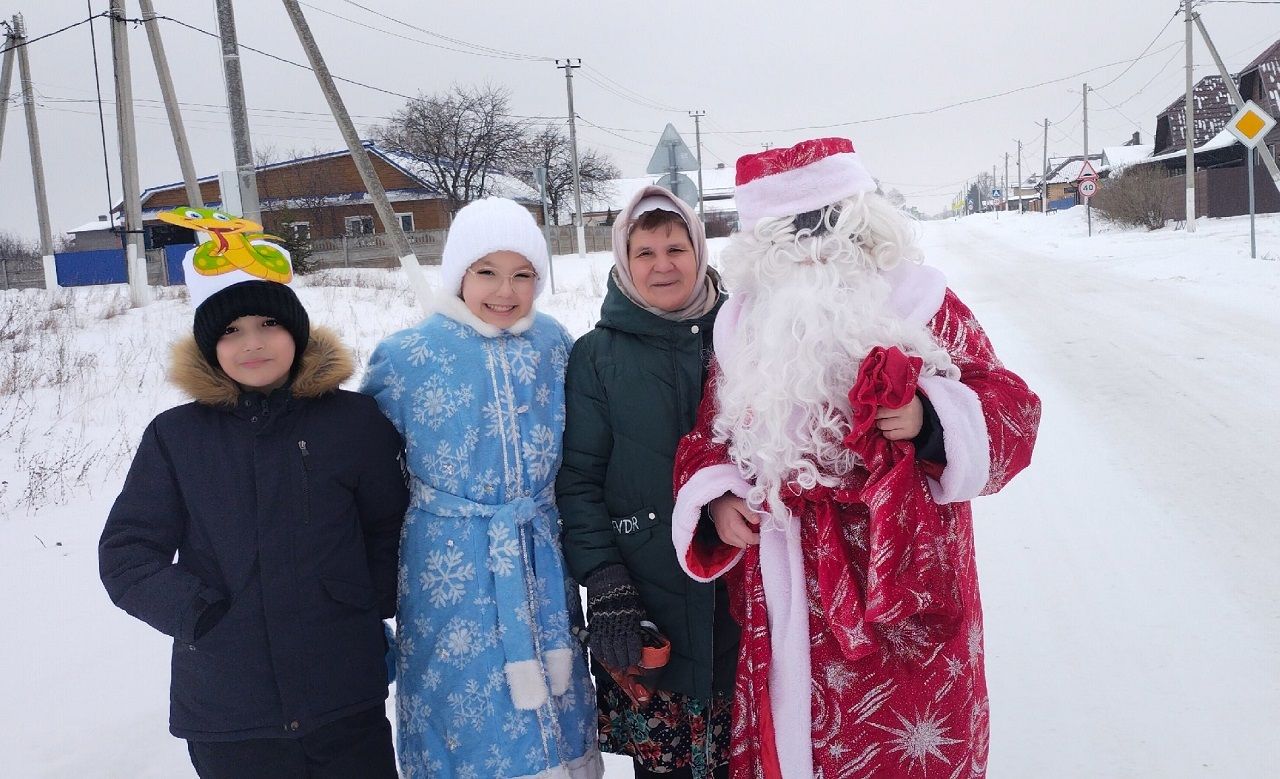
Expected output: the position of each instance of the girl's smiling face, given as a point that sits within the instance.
(499, 288)
(256, 352)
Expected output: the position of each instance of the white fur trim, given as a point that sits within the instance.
(964, 437)
(703, 487)
(829, 180)
(790, 677)
(453, 307)
(589, 766)
(559, 665)
(916, 291)
(528, 687)
(727, 324)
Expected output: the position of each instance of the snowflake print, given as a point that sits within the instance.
(921, 739)
(467, 771)
(497, 763)
(412, 712)
(515, 724)
(540, 452)
(503, 550)
(405, 646)
(411, 340)
(486, 484)
(543, 395)
(495, 420)
(471, 705)
(431, 679)
(460, 642)
(524, 360)
(395, 383)
(446, 577)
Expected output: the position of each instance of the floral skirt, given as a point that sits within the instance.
(671, 731)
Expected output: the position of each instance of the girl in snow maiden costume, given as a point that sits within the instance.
(490, 681)
(282, 496)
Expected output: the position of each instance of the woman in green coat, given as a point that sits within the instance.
(632, 390)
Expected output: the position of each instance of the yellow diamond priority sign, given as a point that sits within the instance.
(1250, 124)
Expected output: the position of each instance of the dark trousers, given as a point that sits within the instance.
(355, 746)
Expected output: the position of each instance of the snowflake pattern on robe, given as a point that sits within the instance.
(903, 698)
(481, 577)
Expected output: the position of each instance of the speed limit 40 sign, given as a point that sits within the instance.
(1088, 189)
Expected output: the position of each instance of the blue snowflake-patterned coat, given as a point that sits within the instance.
(490, 683)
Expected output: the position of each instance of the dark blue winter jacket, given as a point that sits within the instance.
(285, 514)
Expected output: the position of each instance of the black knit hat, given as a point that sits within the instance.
(250, 298)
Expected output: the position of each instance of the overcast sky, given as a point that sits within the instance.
(835, 68)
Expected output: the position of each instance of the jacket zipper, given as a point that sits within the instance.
(306, 481)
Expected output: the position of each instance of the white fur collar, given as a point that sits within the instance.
(453, 307)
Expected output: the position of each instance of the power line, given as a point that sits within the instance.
(29, 41)
(1168, 22)
(494, 52)
(949, 105)
(475, 50)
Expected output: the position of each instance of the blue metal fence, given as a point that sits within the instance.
(173, 261)
(81, 269)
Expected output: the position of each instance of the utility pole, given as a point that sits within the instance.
(239, 115)
(1022, 209)
(6, 77)
(994, 205)
(194, 198)
(1044, 176)
(1088, 206)
(135, 259)
(360, 156)
(568, 67)
(1006, 181)
(697, 136)
(1268, 159)
(1190, 128)
(37, 161)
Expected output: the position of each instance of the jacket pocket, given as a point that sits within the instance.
(350, 594)
(633, 531)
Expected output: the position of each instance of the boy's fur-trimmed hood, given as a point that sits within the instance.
(325, 364)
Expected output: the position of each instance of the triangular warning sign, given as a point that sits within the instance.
(672, 154)
(1087, 172)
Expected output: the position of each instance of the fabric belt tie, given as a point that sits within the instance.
(525, 561)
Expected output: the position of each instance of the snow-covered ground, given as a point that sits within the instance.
(1130, 584)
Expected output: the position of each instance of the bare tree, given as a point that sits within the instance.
(549, 148)
(459, 137)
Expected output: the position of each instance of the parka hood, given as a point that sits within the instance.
(324, 365)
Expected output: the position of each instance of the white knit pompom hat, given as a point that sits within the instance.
(494, 224)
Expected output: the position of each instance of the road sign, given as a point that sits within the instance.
(672, 154)
(1250, 124)
(1088, 188)
(1087, 173)
(681, 186)
(995, 194)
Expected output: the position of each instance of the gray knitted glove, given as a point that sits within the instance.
(614, 612)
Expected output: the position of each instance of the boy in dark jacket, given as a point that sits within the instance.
(283, 497)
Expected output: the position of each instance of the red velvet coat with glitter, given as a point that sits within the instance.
(889, 580)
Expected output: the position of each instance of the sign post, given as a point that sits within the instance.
(1250, 126)
(1087, 186)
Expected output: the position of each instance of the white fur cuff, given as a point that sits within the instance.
(559, 664)
(964, 437)
(528, 687)
(703, 487)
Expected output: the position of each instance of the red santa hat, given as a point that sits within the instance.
(804, 177)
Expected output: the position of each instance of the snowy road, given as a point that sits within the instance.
(1130, 575)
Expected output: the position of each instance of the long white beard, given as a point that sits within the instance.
(804, 329)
